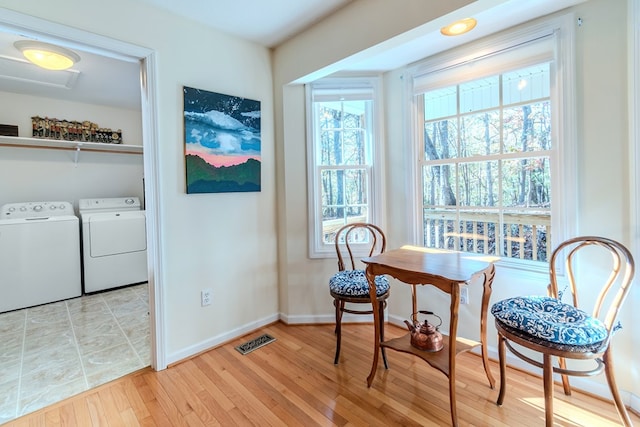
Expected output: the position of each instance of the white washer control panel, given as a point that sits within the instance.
(109, 204)
(35, 210)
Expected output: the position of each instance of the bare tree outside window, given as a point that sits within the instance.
(343, 163)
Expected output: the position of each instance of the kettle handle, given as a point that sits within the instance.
(428, 313)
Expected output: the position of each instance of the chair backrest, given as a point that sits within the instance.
(362, 234)
(616, 286)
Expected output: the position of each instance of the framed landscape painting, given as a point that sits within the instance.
(222, 142)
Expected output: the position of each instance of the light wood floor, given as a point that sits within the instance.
(293, 381)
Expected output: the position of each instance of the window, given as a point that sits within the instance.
(491, 132)
(344, 179)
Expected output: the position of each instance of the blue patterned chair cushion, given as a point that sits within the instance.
(550, 319)
(353, 283)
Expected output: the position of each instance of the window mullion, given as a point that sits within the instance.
(458, 222)
(500, 225)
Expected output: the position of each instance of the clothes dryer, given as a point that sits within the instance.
(114, 243)
(39, 254)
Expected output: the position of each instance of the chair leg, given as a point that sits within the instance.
(336, 304)
(381, 306)
(611, 380)
(338, 331)
(503, 369)
(547, 376)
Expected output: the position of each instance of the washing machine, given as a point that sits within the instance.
(114, 243)
(39, 254)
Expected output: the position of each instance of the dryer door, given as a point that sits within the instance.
(115, 233)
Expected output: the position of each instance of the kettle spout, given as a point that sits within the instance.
(409, 325)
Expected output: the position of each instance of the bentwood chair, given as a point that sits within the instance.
(555, 328)
(350, 286)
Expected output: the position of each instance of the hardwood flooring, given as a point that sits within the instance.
(293, 382)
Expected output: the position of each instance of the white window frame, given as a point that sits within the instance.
(634, 120)
(563, 134)
(634, 158)
(317, 248)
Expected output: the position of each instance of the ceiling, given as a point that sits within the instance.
(267, 22)
(114, 82)
(95, 79)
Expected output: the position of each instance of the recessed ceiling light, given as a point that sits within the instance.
(47, 55)
(459, 27)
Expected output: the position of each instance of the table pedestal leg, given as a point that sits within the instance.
(452, 399)
(486, 295)
(377, 324)
(453, 333)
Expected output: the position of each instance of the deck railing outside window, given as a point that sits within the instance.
(525, 236)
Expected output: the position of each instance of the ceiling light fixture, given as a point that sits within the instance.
(47, 55)
(459, 27)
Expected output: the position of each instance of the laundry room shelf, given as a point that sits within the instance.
(56, 144)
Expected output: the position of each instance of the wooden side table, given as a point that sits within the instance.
(447, 271)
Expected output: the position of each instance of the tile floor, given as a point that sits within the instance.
(53, 351)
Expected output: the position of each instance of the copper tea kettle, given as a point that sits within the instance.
(425, 336)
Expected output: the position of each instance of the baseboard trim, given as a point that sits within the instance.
(218, 340)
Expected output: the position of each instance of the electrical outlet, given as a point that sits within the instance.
(464, 294)
(205, 296)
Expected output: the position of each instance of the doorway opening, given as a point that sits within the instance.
(92, 44)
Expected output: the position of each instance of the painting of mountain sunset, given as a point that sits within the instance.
(222, 142)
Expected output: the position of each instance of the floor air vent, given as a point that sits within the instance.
(255, 343)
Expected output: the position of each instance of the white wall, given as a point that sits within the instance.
(28, 174)
(357, 27)
(604, 176)
(226, 242)
(603, 179)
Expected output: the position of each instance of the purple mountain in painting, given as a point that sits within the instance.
(205, 178)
